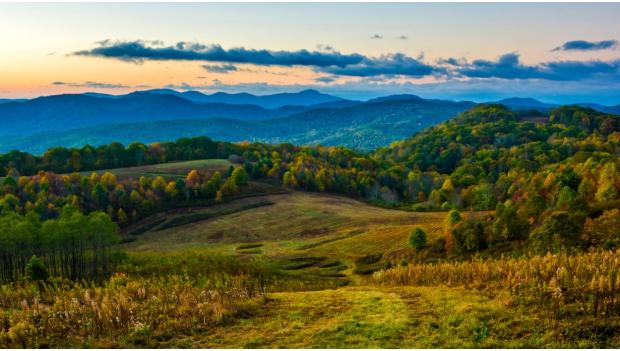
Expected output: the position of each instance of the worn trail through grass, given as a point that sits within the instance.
(370, 317)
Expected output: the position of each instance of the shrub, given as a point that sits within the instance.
(36, 270)
(418, 208)
(558, 231)
(417, 238)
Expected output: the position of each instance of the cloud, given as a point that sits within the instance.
(96, 85)
(376, 36)
(327, 61)
(508, 66)
(583, 45)
(224, 68)
(476, 89)
(392, 64)
(330, 61)
(326, 79)
(138, 51)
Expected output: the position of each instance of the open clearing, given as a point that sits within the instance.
(323, 236)
(297, 223)
(167, 170)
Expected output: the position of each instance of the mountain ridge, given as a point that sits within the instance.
(363, 126)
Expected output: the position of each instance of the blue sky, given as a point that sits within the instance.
(554, 52)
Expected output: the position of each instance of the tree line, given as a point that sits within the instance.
(74, 245)
(113, 155)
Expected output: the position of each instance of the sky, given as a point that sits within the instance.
(554, 52)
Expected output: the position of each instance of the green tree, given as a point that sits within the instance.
(557, 232)
(36, 269)
(239, 176)
(417, 238)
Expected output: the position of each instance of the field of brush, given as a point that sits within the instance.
(277, 268)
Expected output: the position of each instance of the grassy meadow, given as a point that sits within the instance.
(330, 256)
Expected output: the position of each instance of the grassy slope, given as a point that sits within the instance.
(300, 223)
(337, 228)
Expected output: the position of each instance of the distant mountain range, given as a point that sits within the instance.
(303, 98)
(533, 104)
(305, 117)
(4, 101)
(70, 111)
(360, 125)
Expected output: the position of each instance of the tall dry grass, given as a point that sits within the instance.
(125, 311)
(586, 284)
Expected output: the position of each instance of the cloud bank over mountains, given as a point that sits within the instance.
(361, 76)
(336, 63)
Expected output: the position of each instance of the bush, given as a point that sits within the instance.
(446, 206)
(557, 232)
(36, 270)
(417, 238)
(418, 208)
